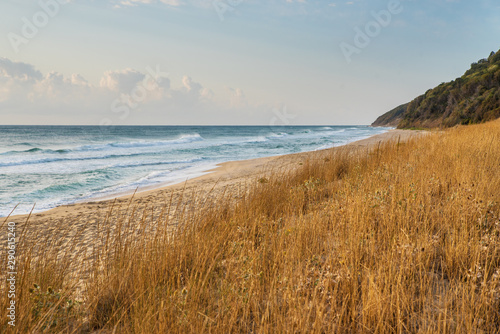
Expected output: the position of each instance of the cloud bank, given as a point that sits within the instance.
(126, 96)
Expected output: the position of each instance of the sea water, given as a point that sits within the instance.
(47, 166)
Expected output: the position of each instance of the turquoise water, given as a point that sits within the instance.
(47, 166)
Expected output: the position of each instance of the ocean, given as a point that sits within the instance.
(48, 166)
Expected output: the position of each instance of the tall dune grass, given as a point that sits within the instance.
(400, 238)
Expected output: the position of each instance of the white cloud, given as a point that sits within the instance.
(192, 87)
(237, 97)
(18, 70)
(121, 81)
(77, 79)
(172, 2)
(29, 97)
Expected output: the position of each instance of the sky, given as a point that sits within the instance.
(231, 62)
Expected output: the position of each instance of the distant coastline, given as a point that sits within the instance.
(229, 173)
(78, 164)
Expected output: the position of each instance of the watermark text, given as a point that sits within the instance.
(11, 273)
(31, 27)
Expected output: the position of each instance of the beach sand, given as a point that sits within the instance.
(231, 176)
(76, 230)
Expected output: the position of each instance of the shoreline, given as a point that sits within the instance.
(125, 166)
(194, 173)
(223, 174)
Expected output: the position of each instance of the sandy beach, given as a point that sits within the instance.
(76, 231)
(230, 177)
(285, 231)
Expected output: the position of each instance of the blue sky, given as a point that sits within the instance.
(88, 61)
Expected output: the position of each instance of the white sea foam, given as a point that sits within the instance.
(54, 166)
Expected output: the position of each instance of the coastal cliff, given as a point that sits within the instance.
(473, 98)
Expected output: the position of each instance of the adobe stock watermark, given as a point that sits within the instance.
(221, 7)
(123, 105)
(371, 30)
(281, 117)
(30, 28)
(11, 273)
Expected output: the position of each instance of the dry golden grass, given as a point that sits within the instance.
(404, 238)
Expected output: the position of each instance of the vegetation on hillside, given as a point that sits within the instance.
(391, 118)
(471, 99)
(401, 238)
